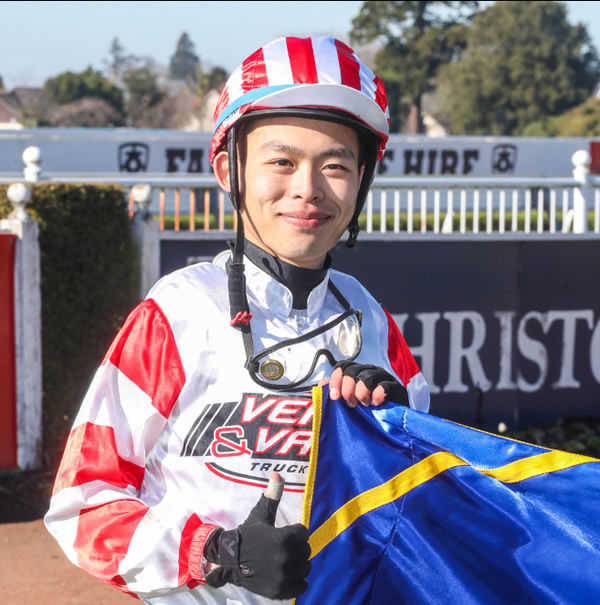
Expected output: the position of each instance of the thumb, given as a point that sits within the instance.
(265, 510)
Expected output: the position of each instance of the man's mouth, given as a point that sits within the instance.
(306, 219)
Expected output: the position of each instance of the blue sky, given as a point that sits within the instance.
(43, 39)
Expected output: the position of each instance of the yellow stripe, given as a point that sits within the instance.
(548, 462)
(420, 473)
(378, 496)
(317, 397)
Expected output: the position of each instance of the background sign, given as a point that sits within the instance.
(171, 151)
(503, 330)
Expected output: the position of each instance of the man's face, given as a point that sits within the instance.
(299, 186)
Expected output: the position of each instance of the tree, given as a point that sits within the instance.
(523, 62)
(213, 80)
(119, 61)
(68, 87)
(580, 121)
(416, 38)
(89, 112)
(144, 95)
(184, 62)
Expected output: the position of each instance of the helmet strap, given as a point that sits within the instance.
(363, 192)
(236, 280)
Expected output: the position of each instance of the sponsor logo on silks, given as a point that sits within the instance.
(133, 157)
(244, 441)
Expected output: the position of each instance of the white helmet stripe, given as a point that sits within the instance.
(234, 83)
(277, 62)
(303, 72)
(327, 61)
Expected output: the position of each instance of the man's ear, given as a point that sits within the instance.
(221, 170)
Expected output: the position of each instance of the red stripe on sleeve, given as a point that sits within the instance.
(103, 537)
(349, 67)
(145, 351)
(90, 455)
(401, 359)
(191, 551)
(302, 60)
(254, 71)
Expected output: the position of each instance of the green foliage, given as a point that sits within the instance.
(143, 92)
(576, 435)
(184, 61)
(523, 62)
(546, 127)
(581, 121)
(213, 80)
(142, 86)
(68, 87)
(416, 39)
(89, 272)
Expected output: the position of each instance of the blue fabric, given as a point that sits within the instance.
(460, 537)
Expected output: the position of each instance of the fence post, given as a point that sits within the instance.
(28, 332)
(32, 156)
(146, 234)
(583, 193)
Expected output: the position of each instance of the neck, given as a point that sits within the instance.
(298, 280)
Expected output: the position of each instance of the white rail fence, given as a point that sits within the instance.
(437, 205)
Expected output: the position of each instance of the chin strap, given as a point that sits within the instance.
(238, 301)
(363, 192)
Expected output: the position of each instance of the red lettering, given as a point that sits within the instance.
(264, 442)
(250, 412)
(287, 411)
(235, 448)
(300, 439)
(307, 416)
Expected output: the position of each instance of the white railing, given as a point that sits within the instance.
(398, 204)
(483, 205)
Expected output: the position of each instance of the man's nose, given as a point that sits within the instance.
(308, 183)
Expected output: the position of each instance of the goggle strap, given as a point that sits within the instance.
(338, 295)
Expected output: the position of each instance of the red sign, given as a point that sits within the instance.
(595, 153)
(8, 381)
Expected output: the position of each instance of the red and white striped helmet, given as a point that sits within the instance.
(316, 72)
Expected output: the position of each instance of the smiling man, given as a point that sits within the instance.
(203, 399)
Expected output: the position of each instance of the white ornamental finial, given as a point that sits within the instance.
(581, 165)
(142, 196)
(19, 194)
(32, 156)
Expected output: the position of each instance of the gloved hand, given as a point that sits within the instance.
(371, 385)
(268, 560)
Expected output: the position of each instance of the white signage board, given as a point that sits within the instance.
(96, 150)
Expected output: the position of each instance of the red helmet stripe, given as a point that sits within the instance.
(302, 60)
(349, 67)
(380, 96)
(222, 104)
(296, 72)
(254, 71)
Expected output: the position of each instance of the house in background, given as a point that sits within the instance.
(15, 103)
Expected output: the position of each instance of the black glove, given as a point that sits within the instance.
(373, 376)
(268, 560)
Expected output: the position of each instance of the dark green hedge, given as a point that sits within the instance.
(89, 270)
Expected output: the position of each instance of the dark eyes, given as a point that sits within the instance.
(335, 167)
(284, 163)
